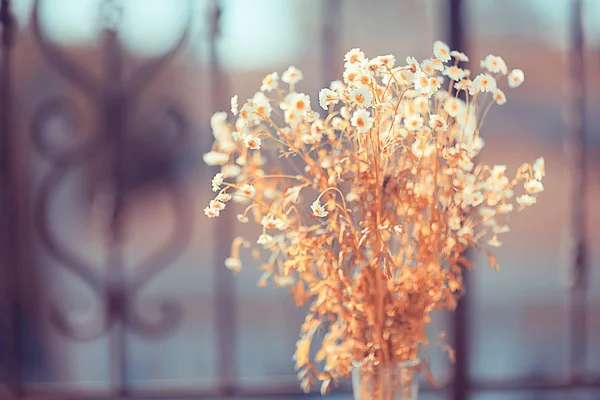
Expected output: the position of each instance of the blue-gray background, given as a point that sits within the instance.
(519, 316)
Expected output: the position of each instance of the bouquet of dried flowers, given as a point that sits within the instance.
(380, 196)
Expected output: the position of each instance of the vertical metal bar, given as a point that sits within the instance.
(225, 296)
(331, 22)
(9, 211)
(114, 109)
(575, 148)
(460, 384)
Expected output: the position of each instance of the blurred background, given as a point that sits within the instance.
(112, 279)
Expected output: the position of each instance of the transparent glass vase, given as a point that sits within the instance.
(387, 382)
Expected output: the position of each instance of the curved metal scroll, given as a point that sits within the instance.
(70, 71)
(170, 311)
(118, 301)
(146, 72)
(63, 163)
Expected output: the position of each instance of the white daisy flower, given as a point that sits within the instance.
(292, 117)
(455, 73)
(362, 121)
(463, 84)
(217, 181)
(248, 191)
(441, 51)
(515, 78)
(437, 122)
(475, 199)
(413, 64)
(526, 200)
(427, 86)
(500, 97)
(414, 122)
(483, 83)
(271, 222)
(216, 205)
(248, 113)
(354, 57)
(421, 82)
(292, 75)
(299, 102)
(534, 186)
(318, 210)
(494, 64)
(270, 82)
(327, 97)
(224, 197)
(431, 65)
(234, 105)
(351, 74)
(454, 223)
(211, 212)
(337, 86)
(361, 96)
(454, 106)
(421, 148)
(252, 142)
(387, 61)
(262, 107)
(405, 77)
(459, 56)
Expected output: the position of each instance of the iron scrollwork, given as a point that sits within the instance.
(114, 99)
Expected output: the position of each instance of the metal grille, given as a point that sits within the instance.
(114, 98)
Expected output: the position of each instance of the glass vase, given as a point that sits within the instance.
(387, 382)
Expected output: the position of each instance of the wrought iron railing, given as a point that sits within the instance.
(115, 98)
